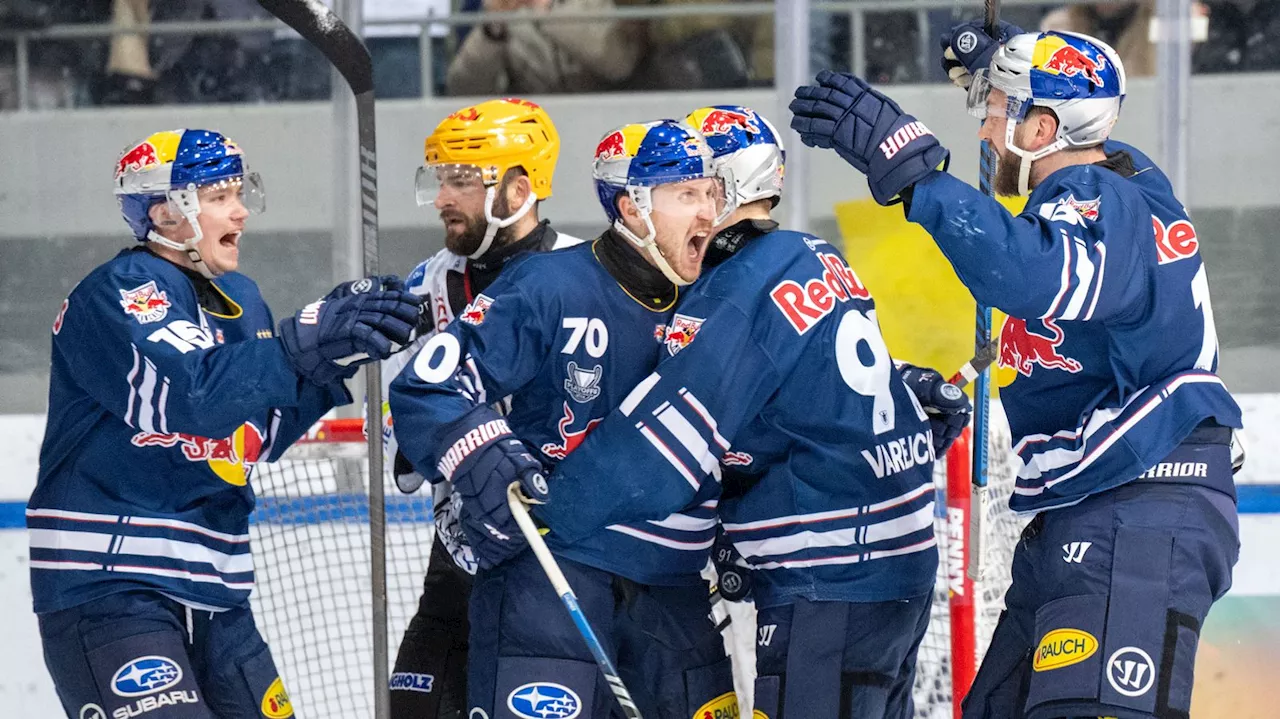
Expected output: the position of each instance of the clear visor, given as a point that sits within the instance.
(987, 100)
(432, 180)
(246, 189)
(707, 197)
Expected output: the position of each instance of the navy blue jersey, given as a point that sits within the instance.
(776, 381)
(565, 343)
(1110, 341)
(158, 410)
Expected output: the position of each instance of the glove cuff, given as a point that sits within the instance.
(473, 439)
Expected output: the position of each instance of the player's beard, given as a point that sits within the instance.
(467, 241)
(1006, 180)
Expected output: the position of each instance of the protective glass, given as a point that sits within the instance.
(981, 104)
(247, 188)
(709, 196)
(435, 179)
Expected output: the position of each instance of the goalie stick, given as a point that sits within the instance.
(348, 54)
(982, 338)
(520, 511)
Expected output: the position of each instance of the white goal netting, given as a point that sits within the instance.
(313, 603)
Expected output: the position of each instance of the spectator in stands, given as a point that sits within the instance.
(705, 52)
(129, 79)
(527, 58)
(1126, 26)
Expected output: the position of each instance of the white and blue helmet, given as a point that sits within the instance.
(749, 145)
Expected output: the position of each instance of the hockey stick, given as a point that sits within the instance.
(978, 364)
(313, 21)
(982, 338)
(516, 501)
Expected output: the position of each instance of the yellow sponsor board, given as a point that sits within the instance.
(724, 706)
(275, 703)
(1062, 648)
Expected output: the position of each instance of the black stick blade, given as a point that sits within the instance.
(315, 22)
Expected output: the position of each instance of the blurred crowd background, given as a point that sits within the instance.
(700, 52)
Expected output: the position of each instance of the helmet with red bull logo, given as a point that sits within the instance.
(1079, 78)
(748, 145)
(634, 159)
(173, 166)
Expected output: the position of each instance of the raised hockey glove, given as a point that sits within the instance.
(733, 574)
(947, 405)
(328, 339)
(482, 458)
(967, 48)
(868, 130)
(366, 284)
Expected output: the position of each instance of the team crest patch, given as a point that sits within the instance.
(583, 385)
(475, 312)
(544, 700)
(146, 303)
(737, 459)
(275, 702)
(681, 332)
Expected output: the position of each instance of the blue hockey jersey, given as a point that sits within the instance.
(565, 342)
(775, 369)
(1110, 342)
(158, 410)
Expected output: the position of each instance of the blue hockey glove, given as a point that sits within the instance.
(967, 48)
(869, 131)
(947, 405)
(366, 284)
(482, 458)
(327, 340)
(733, 574)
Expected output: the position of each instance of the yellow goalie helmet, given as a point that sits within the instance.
(476, 145)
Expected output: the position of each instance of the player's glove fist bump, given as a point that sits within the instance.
(947, 406)
(328, 339)
(866, 128)
(482, 458)
(967, 48)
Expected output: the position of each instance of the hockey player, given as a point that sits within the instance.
(778, 384)
(1120, 425)
(487, 168)
(167, 384)
(565, 352)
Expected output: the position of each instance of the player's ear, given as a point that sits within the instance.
(626, 206)
(163, 214)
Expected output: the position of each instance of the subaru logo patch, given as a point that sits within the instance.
(146, 675)
(544, 700)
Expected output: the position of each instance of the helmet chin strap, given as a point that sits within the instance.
(649, 246)
(1025, 157)
(189, 205)
(494, 224)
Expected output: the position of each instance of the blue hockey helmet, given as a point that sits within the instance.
(173, 166)
(749, 145)
(636, 158)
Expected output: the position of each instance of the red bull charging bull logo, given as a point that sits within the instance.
(681, 332)
(475, 312)
(719, 121)
(1071, 61)
(612, 147)
(231, 458)
(569, 439)
(145, 303)
(1022, 350)
(140, 157)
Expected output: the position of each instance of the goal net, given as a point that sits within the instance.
(313, 604)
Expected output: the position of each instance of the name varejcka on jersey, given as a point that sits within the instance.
(900, 454)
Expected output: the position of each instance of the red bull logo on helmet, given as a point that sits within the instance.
(1057, 55)
(231, 458)
(1022, 349)
(720, 121)
(475, 312)
(612, 147)
(139, 157)
(569, 439)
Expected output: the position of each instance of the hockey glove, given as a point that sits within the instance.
(869, 131)
(361, 286)
(967, 48)
(482, 458)
(328, 339)
(733, 574)
(947, 405)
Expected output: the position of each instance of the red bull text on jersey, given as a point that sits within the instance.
(158, 410)
(786, 395)
(1108, 358)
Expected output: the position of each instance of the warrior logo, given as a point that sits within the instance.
(569, 439)
(583, 385)
(145, 303)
